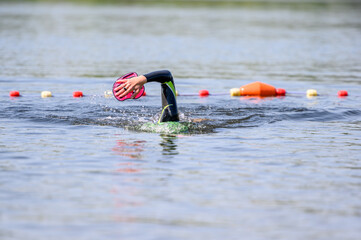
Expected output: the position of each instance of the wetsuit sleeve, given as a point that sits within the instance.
(169, 103)
(161, 76)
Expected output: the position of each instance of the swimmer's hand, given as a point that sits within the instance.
(129, 85)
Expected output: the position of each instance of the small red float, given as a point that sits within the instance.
(203, 93)
(77, 94)
(14, 94)
(280, 92)
(342, 93)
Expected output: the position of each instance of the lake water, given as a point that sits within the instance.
(273, 168)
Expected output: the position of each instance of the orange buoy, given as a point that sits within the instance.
(258, 89)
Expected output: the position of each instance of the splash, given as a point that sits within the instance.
(165, 127)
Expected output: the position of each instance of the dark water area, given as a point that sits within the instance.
(260, 168)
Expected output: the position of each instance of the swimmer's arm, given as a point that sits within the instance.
(161, 76)
(136, 83)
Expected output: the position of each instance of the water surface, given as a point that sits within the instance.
(274, 168)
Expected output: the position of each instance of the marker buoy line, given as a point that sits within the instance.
(201, 92)
(256, 89)
(186, 94)
(14, 94)
(236, 92)
(233, 92)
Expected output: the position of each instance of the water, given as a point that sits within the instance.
(274, 168)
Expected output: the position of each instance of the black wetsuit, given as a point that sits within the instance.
(169, 103)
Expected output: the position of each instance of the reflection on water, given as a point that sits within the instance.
(132, 150)
(169, 144)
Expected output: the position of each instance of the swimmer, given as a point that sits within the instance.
(169, 103)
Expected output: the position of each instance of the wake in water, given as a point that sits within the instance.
(194, 118)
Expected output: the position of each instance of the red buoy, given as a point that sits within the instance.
(14, 94)
(280, 92)
(77, 94)
(342, 93)
(203, 93)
